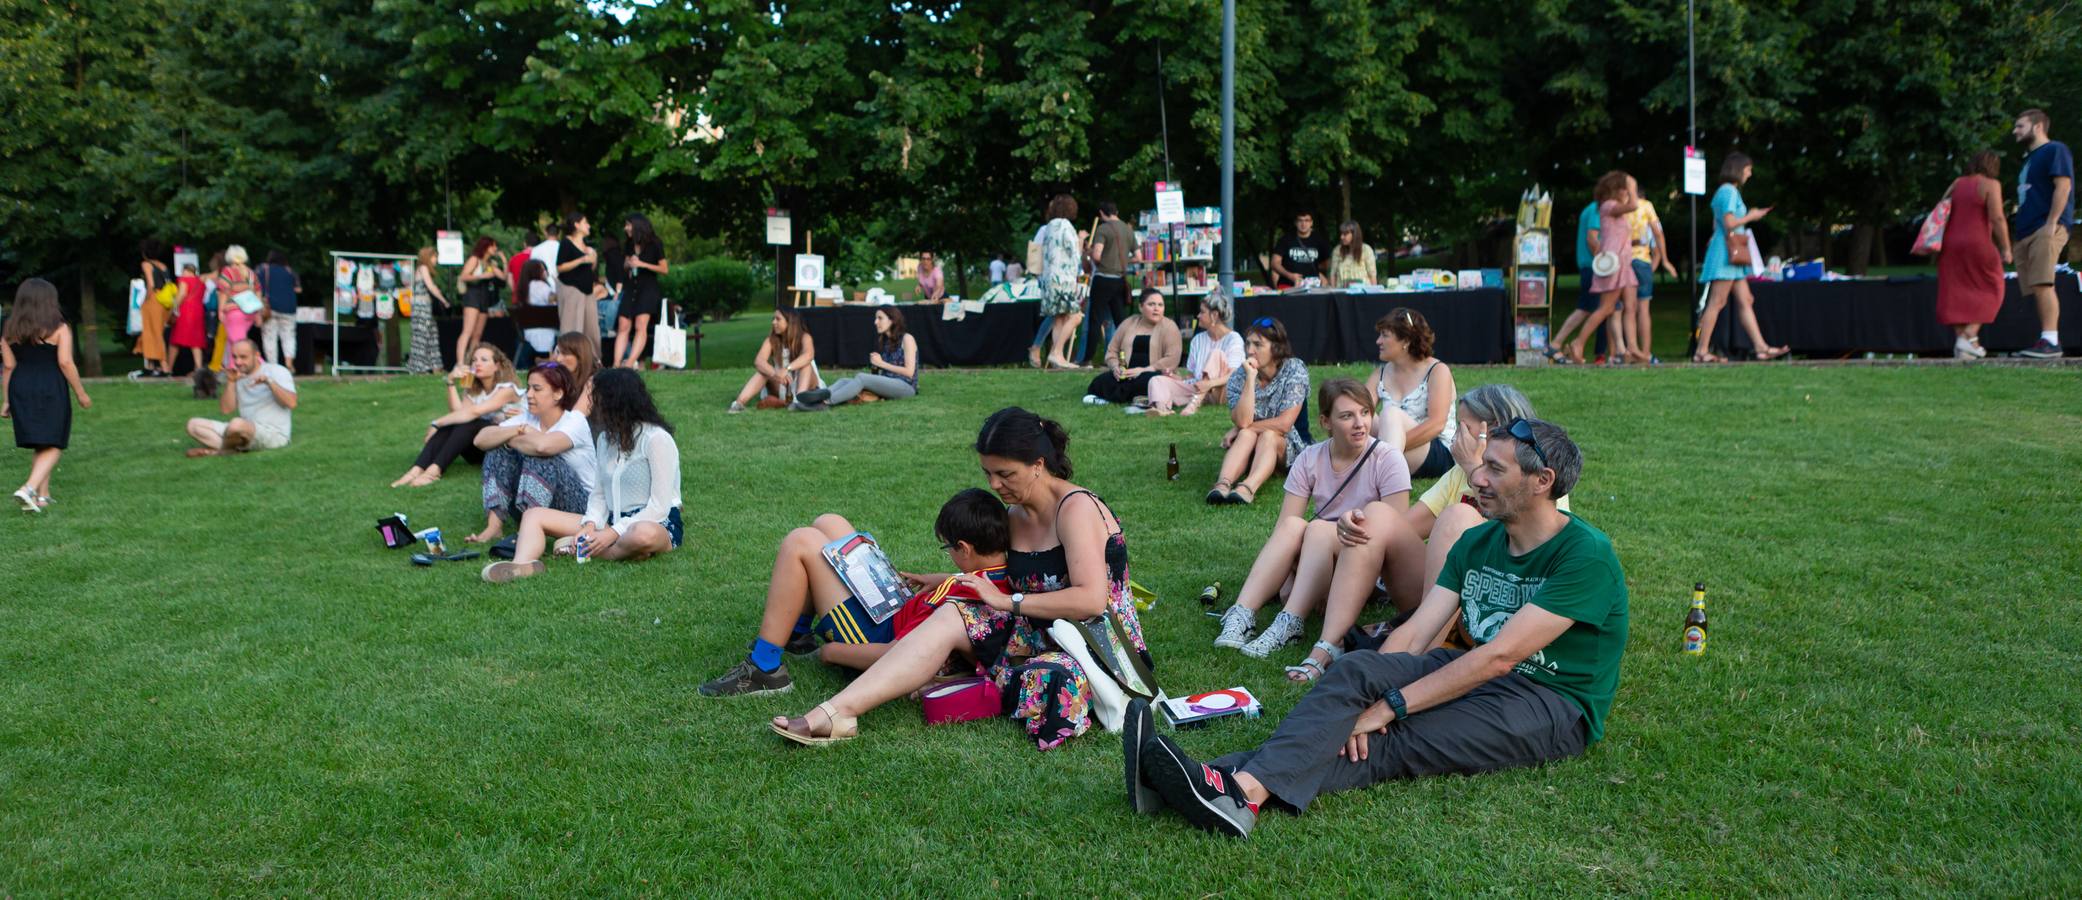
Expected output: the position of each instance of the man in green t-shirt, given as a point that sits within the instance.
(1538, 589)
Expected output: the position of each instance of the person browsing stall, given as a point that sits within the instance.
(1544, 598)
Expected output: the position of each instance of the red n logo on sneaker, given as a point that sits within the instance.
(1212, 776)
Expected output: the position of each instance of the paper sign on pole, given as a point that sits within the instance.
(448, 248)
(1171, 203)
(1694, 171)
(778, 231)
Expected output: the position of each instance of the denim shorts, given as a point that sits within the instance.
(1645, 274)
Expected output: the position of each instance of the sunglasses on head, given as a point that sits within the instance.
(1263, 322)
(1522, 432)
(548, 364)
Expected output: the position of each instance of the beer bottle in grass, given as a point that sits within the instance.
(1695, 622)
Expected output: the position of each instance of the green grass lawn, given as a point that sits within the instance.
(216, 680)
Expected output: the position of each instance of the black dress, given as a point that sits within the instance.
(1115, 390)
(640, 294)
(36, 397)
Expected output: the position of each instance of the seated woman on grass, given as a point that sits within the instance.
(786, 362)
(1213, 353)
(806, 601)
(633, 511)
(1143, 349)
(1265, 399)
(1069, 560)
(542, 457)
(490, 395)
(1416, 393)
(581, 355)
(1337, 477)
(893, 369)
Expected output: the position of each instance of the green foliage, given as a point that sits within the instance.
(713, 288)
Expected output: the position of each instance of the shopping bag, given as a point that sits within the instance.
(669, 343)
(1931, 237)
(135, 324)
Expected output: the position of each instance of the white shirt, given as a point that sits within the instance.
(547, 253)
(580, 456)
(1203, 347)
(997, 270)
(257, 403)
(646, 479)
(541, 293)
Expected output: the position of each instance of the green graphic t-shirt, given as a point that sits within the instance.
(1574, 574)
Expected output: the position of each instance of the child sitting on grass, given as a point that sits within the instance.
(972, 528)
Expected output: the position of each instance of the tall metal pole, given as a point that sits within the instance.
(1691, 101)
(1228, 276)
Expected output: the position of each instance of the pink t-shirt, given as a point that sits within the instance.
(1311, 476)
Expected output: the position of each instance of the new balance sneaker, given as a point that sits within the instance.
(2044, 349)
(1285, 629)
(1136, 728)
(746, 680)
(1237, 626)
(1207, 796)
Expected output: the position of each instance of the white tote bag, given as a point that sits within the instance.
(669, 343)
(135, 323)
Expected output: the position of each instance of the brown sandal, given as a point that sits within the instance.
(798, 729)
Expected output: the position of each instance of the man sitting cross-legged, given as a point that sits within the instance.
(1538, 589)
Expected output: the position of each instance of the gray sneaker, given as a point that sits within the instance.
(1237, 626)
(1285, 629)
(746, 680)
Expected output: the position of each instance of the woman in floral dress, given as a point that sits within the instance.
(1061, 264)
(1069, 560)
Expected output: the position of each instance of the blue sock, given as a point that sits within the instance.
(802, 625)
(764, 655)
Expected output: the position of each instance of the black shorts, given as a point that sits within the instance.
(480, 297)
(1438, 460)
(1588, 300)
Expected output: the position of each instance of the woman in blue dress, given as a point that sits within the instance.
(1731, 218)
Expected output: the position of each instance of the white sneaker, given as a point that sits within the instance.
(1974, 347)
(1136, 410)
(27, 498)
(1237, 625)
(1094, 400)
(735, 408)
(1285, 629)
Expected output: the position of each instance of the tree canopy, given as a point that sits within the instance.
(891, 127)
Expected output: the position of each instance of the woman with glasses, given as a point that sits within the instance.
(1416, 394)
(1266, 395)
(932, 282)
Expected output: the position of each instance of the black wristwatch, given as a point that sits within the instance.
(1395, 704)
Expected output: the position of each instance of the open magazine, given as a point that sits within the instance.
(868, 573)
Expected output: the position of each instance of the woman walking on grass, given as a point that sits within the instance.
(1977, 246)
(35, 372)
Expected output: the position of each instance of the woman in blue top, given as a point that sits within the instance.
(1731, 217)
(893, 373)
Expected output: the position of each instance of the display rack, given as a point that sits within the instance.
(1174, 259)
(403, 272)
(1532, 277)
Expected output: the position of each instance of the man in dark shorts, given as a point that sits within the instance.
(1543, 597)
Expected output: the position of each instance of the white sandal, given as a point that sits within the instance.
(1309, 670)
(831, 728)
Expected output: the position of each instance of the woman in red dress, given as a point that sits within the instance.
(191, 324)
(1977, 246)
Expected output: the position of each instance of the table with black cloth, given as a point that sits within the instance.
(1825, 318)
(998, 335)
(1327, 326)
(1472, 326)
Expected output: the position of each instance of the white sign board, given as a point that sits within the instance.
(448, 248)
(809, 272)
(1171, 204)
(778, 230)
(1694, 171)
(183, 258)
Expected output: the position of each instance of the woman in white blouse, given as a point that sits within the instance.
(1213, 353)
(634, 509)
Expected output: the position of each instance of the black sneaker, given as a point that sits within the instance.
(803, 644)
(2044, 349)
(813, 397)
(746, 680)
(1136, 729)
(1208, 797)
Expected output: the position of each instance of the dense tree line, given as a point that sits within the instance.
(894, 126)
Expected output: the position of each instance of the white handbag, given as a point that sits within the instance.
(1605, 264)
(669, 343)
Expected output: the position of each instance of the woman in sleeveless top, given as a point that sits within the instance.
(892, 373)
(1069, 560)
(491, 395)
(36, 369)
(1416, 393)
(1977, 245)
(426, 337)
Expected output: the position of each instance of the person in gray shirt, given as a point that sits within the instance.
(262, 393)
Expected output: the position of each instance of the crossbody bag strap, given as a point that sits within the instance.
(1356, 467)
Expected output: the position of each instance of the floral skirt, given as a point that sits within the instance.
(1044, 688)
(515, 483)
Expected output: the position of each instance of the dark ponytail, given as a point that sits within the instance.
(1014, 433)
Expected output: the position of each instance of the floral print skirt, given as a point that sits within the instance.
(1045, 689)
